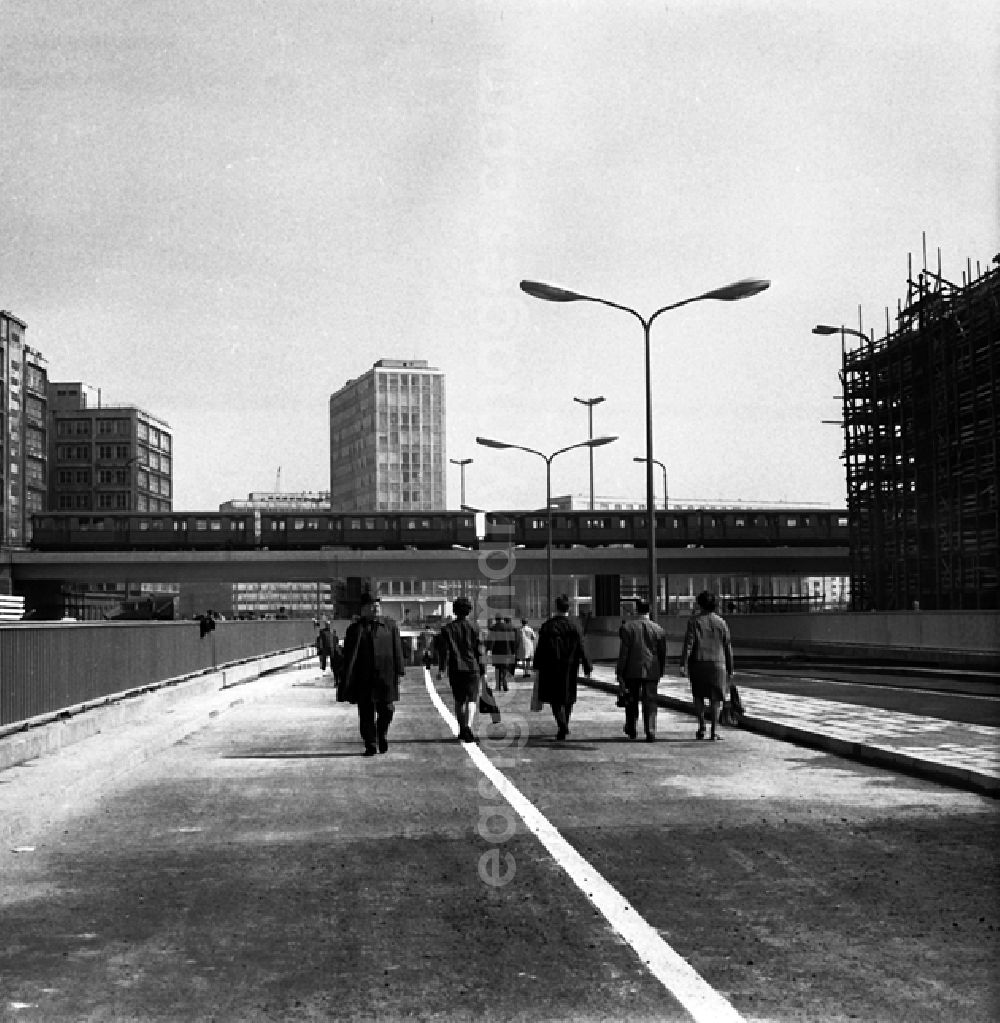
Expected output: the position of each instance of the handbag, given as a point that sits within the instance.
(536, 702)
(488, 704)
(622, 698)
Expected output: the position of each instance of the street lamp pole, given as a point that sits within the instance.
(461, 463)
(590, 403)
(664, 468)
(854, 526)
(594, 442)
(728, 293)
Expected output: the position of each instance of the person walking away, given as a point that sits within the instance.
(504, 654)
(642, 659)
(325, 645)
(373, 653)
(460, 654)
(558, 656)
(707, 658)
(525, 647)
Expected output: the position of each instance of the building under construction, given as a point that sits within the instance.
(920, 427)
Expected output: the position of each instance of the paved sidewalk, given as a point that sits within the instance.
(951, 753)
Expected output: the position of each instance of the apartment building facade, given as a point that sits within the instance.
(106, 458)
(23, 432)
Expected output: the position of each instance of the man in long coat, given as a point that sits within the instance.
(373, 653)
(558, 656)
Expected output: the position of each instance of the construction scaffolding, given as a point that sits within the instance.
(920, 433)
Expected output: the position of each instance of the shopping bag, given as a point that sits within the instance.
(488, 704)
(536, 703)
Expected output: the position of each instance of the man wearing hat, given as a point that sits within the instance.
(460, 653)
(373, 653)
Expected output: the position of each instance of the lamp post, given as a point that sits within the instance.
(727, 293)
(664, 468)
(590, 403)
(461, 463)
(854, 514)
(594, 442)
(666, 577)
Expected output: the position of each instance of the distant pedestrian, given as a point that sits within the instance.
(707, 658)
(460, 653)
(526, 638)
(373, 653)
(559, 655)
(642, 659)
(502, 647)
(326, 644)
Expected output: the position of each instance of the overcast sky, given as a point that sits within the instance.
(220, 212)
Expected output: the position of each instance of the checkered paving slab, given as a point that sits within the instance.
(963, 747)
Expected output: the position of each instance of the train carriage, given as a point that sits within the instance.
(69, 531)
(301, 531)
(436, 530)
(212, 531)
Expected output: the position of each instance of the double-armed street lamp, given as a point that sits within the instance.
(594, 442)
(461, 463)
(728, 293)
(590, 403)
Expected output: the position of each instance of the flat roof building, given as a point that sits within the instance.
(387, 439)
(105, 458)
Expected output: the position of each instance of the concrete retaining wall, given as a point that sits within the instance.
(936, 638)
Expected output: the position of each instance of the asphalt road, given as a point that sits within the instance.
(261, 869)
(970, 698)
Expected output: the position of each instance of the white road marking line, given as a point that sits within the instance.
(701, 1000)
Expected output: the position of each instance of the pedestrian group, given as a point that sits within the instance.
(372, 662)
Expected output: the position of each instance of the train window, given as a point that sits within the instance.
(791, 521)
(298, 524)
(369, 523)
(355, 524)
(215, 525)
(842, 521)
(238, 525)
(201, 525)
(740, 521)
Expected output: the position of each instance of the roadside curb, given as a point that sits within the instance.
(876, 756)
